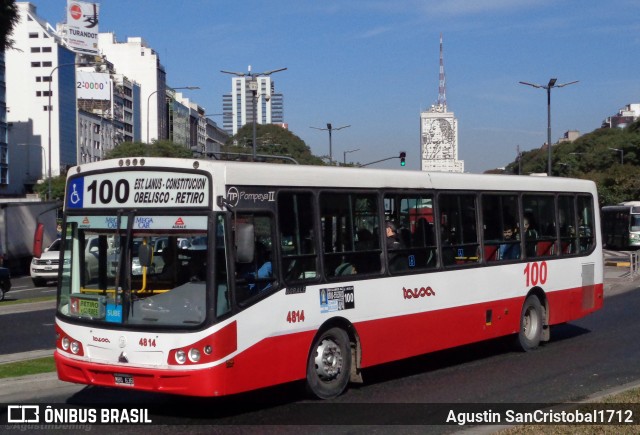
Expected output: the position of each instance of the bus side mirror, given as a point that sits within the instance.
(38, 239)
(245, 243)
(144, 255)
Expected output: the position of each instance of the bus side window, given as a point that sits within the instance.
(567, 224)
(345, 218)
(257, 274)
(501, 229)
(540, 212)
(299, 258)
(413, 215)
(460, 242)
(585, 223)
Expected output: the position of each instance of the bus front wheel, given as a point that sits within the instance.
(531, 324)
(329, 364)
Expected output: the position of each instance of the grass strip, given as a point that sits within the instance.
(28, 367)
(25, 301)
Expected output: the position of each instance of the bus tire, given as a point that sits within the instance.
(531, 324)
(329, 364)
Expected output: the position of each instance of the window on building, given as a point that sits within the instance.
(35, 49)
(35, 64)
(33, 35)
(46, 49)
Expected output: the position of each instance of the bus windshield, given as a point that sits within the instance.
(105, 280)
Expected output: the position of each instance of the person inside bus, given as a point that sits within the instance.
(169, 267)
(345, 269)
(261, 279)
(394, 244)
(529, 235)
(511, 249)
(584, 232)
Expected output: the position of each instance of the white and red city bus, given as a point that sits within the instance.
(215, 278)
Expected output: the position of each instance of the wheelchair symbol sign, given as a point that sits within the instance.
(74, 193)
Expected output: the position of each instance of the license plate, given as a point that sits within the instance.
(121, 379)
(48, 268)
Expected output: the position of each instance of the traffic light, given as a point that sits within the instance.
(402, 156)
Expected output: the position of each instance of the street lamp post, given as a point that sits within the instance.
(551, 84)
(330, 128)
(155, 92)
(344, 155)
(621, 154)
(253, 86)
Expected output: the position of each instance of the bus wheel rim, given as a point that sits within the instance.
(328, 360)
(530, 323)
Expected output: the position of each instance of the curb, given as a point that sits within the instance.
(24, 356)
(617, 263)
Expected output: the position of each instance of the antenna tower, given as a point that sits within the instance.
(442, 97)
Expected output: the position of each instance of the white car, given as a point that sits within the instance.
(45, 268)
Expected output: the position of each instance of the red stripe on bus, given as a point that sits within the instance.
(283, 358)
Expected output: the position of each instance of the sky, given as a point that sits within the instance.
(374, 65)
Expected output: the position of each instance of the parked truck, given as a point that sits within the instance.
(18, 222)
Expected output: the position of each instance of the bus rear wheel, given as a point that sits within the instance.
(329, 364)
(531, 324)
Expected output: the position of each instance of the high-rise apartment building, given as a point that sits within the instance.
(41, 102)
(237, 107)
(139, 63)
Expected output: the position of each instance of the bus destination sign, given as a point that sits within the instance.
(138, 189)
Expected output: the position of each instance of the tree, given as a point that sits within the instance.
(57, 188)
(163, 148)
(595, 156)
(270, 140)
(8, 20)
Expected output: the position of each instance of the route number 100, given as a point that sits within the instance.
(536, 273)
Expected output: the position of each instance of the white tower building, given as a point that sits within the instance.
(439, 133)
(237, 107)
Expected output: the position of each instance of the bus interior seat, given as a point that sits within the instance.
(490, 252)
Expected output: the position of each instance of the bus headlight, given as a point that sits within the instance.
(194, 355)
(75, 347)
(181, 356)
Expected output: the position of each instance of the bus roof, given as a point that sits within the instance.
(269, 174)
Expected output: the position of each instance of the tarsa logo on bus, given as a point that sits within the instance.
(418, 292)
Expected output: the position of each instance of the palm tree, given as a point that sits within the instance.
(8, 20)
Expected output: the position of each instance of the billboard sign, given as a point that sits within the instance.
(82, 26)
(93, 86)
